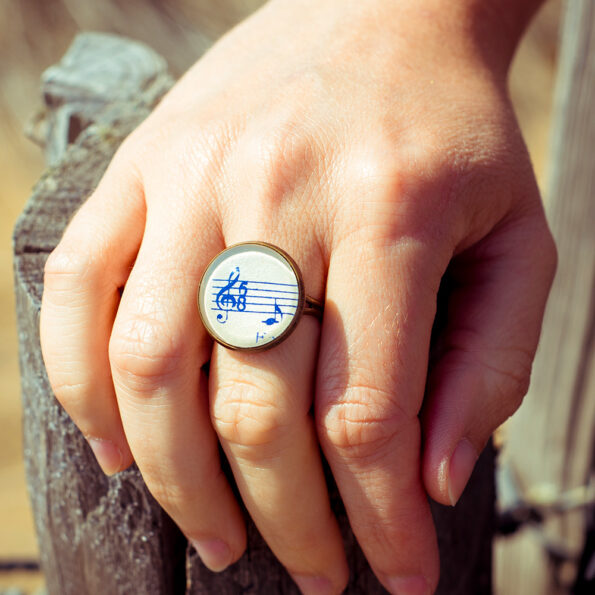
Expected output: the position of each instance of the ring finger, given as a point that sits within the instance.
(260, 406)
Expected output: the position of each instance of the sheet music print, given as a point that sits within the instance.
(270, 301)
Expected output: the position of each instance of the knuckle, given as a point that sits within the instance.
(278, 157)
(167, 494)
(374, 167)
(207, 149)
(510, 374)
(172, 496)
(184, 489)
(245, 415)
(69, 391)
(396, 200)
(204, 146)
(504, 373)
(380, 184)
(384, 532)
(144, 352)
(511, 383)
(67, 269)
(362, 426)
(75, 395)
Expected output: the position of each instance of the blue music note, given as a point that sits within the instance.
(225, 300)
(273, 320)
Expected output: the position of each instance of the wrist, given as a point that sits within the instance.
(486, 31)
(490, 30)
(498, 26)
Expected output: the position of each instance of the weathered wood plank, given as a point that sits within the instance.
(97, 535)
(551, 439)
(80, 86)
(107, 535)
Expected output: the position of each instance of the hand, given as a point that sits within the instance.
(375, 143)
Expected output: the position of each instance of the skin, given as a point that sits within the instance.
(375, 143)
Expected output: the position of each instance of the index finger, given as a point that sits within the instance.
(370, 385)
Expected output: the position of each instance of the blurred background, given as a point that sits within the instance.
(33, 35)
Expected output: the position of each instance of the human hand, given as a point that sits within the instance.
(377, 148)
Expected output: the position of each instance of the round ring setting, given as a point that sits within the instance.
(251, 296)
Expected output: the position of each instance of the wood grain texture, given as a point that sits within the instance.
(97, 535)
(107, 535)
(80, 86)
(552, 438)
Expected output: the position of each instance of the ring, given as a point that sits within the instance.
(251, 297)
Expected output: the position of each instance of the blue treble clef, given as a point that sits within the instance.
(225, 300)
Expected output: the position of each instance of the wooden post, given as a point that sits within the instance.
(107, 535)
(551, 439)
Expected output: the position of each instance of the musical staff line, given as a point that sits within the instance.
(252, 289)
(231, 296)
(248, 303)
(254, 311)
(263, 282)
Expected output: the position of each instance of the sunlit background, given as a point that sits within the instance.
(35, 34)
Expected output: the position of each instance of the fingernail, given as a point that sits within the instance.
(108, 455)
(313, 585)
(461, 465)
(409, 585)
(214, 553)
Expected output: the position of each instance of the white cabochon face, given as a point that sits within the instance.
(249, 296)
